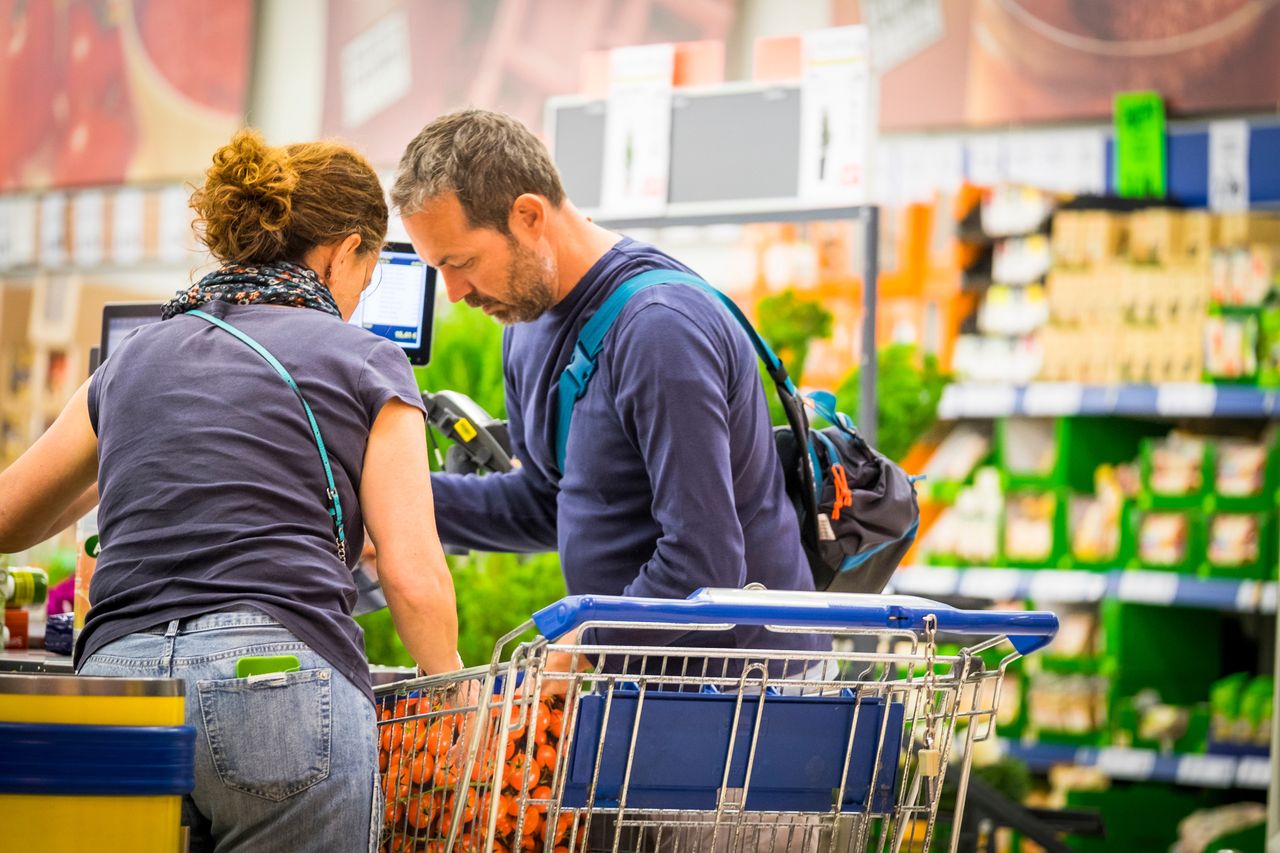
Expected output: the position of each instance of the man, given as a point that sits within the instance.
(671, 481)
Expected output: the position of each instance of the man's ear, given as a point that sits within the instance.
(528, 217)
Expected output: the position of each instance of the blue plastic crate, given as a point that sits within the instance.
(683, 742)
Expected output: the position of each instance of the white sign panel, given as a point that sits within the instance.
(1229, 166)
(88, 226)
(126, 226)
(22, 230)
(375, 69)
(637, 129)
(836, 118)
(986, 157)
(174, 224)
(53, 230)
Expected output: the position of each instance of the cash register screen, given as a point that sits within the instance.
(399, 302)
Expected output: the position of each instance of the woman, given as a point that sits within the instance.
(220, 538)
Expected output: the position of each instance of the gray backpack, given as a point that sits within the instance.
(857, 510)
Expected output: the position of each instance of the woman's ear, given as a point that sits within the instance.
(346, 251)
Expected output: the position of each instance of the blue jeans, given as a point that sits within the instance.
(285, 762)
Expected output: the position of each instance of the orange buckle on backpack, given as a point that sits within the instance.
(844, 497)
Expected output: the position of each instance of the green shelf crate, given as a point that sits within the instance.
(1176, 652)
(1261, 567)
(1136, 817)
(1252, 319)
(1123, 554)
(1152, 498)
(1266, 497)
(1014, 435)
(1150, 521)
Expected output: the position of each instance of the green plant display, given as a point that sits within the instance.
(791, 323)
(908, 389)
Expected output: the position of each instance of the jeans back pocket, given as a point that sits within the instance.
(269, 735)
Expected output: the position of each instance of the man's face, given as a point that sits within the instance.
(482, 266)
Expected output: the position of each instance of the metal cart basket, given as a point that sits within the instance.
(653, 742)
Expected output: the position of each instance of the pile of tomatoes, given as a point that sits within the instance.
(423, 754)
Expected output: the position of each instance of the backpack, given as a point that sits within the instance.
(857, 510)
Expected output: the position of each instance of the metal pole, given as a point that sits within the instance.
(867, 420)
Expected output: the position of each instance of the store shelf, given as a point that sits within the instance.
(1080, 586)
(1052, 399)
(1144, 765)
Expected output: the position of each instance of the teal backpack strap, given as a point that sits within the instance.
(335, 503)
(582, 366)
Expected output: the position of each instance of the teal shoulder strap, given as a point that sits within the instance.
(582, 366)
(335, 503)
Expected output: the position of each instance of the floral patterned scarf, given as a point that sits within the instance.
(283, 283)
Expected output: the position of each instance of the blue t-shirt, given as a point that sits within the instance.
(671, 478)
(211, 489)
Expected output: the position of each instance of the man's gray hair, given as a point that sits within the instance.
(487, 159)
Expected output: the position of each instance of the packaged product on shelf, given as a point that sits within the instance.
(1177, 464)
(1231, 346)
(1234, 539)
(958, 454)
(1010, 210)
(1067, 238)
(1103, 233)
(1269, 348)
(16, 627)
(1066, 704)
(1095, 519)
(969, 531)
(1199, 830)
(1028, 446)
(1156, 236)
(1227, 724)
(1077, 633)
(1240, 468)
(1244, 228)
(1159, 722)
(1244, 276)
(1021, 260)
(1199, 235)
(21, 586)
(1163, 538)
(1028, 526)
(1257, 704)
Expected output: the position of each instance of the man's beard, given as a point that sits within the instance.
(530, 290)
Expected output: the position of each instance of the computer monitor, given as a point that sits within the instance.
(399, 303)
(121, 318)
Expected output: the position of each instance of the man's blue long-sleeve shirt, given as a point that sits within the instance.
(671, 479)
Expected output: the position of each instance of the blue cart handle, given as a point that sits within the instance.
(1027, 630)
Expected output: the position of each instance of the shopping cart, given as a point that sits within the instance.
(665, 748)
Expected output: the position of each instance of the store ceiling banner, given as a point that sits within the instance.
(637, 130)
(1000, 62)
(1140, 145)
(836, 119)
(118, 91)
(505, 55)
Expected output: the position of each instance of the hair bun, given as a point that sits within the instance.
(245, 204)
